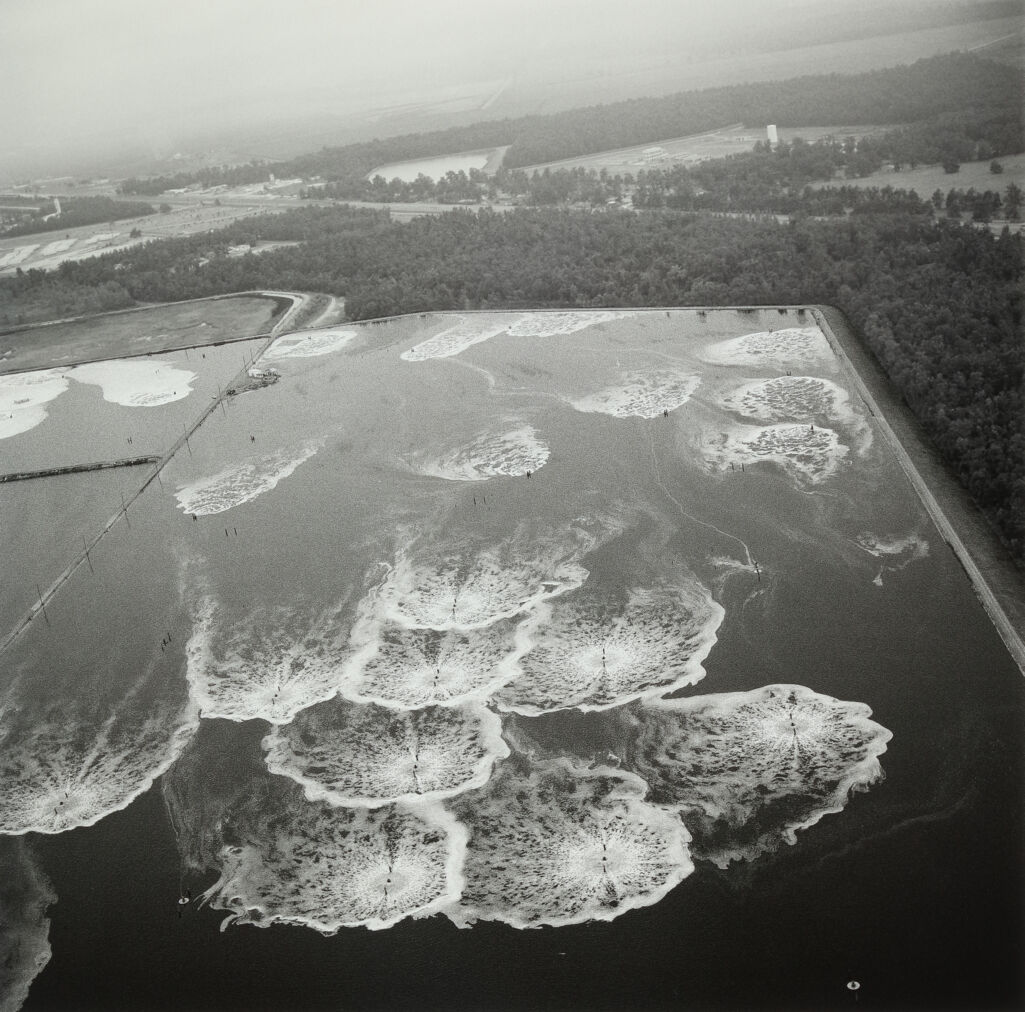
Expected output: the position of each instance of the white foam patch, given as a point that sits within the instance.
(747, 770)
(243, 482)
(558, 844)
(473, 588)
(451, 341)
(273, 665)
(809, 452)
(790, 346)
(63, 770)
(367, 756)
(491, 455)
(23, 397)
(896, 553)
(329, 868)
(790, 398)
(808, 399)
(25, 896)
(594, 654)
(642, 395)
(469, 331)
(554, 324)
(912, 545)
(309, 344)
(137, 384)
(408, 668)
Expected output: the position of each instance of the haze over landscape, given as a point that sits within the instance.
(512, 506)
(94, 84)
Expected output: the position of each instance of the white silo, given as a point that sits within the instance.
(770, 132)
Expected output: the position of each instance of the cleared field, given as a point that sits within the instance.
(926, 179)
(190, 218)
(18, 255)
(138, 332)
(730, 140)
(435, 168)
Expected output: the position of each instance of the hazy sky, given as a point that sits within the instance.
(70, 67)
(157, 73)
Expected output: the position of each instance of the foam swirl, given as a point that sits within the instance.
(748, 770)
(553, 843)
(369, 756)
(595, 653)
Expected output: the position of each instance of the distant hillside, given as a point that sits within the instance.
(957, 83)
(929, 88)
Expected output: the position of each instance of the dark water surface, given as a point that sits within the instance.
(351, 520)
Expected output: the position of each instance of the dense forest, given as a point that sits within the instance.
(949, 96)
(77, 211)
(938, 302)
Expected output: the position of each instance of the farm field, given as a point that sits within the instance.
(435, 168)
(926, 179)
(730, 140)
(614, 623)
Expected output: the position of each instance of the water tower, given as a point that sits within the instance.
(770, 132)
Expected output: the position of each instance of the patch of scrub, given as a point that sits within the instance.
(272, 664)
(308, 344)
(23, 397)
(243, 482)
(492, 455)
(594, 653)
(789, 346)
(808, 452)
(25, 897)
(292, 861)
(747, 770)
(466, 588)
(137, 384)
(367, 756)
(407, 667)
(67, 769)
(555, 843)
(643, 395)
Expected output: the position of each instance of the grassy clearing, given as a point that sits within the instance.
(926, 179)
(729, 140)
